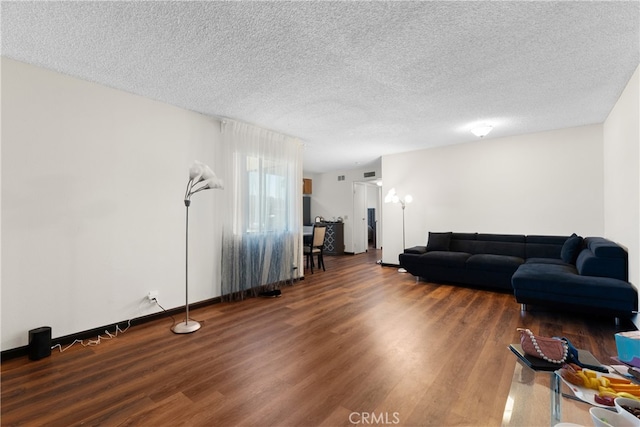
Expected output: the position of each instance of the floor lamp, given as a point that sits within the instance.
(201, 177)
(394, 198)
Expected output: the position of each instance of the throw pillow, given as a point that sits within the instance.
(438, 241)
(571, 248)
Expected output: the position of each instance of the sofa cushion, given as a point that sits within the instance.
(546, 240)
(488, 247)
(499, 248)
(545, 261)
(439, 241)
(571, 248)
(462, 242)
(512, 238)
(458, 245)
(490, 262)
(443, 258)
(542, 277)
(464, 236)
(544, 246)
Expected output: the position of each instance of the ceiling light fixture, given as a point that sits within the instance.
(482, 130)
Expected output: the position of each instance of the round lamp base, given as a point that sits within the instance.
(186, 327)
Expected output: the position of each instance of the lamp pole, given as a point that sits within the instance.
(201, 177)
(187, 326)
(404, 245)
(186, 259)
(392, 197)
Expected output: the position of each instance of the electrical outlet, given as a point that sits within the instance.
(152, 294)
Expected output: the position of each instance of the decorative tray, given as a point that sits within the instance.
(588, 394)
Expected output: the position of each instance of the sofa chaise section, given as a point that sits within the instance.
(596, 283)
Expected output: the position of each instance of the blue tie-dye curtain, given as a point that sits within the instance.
(261, 237)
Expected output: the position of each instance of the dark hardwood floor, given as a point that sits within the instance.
(356, 338)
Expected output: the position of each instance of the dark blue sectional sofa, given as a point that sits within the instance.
(567, 272)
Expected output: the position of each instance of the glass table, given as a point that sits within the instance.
(537, 398)
(541, 398)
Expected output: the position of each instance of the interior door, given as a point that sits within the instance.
(359, 217)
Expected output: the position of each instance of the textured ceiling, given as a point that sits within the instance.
(353, 80)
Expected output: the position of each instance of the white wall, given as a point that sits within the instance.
(542, 183)
(332, 198)
(92, 213)
(622, 174)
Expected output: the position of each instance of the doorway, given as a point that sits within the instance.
(366, 214)
(371, 228)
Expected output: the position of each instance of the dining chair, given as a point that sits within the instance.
(316, 247)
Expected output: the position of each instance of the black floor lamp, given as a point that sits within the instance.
(392, 197)
(201, 177)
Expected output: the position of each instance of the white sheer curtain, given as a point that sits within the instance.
(262, 230)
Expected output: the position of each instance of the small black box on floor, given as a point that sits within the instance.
(39, 343)
(271, 294)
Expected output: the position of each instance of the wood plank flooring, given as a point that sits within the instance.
(356, 338)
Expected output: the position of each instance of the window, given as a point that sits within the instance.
(268, 196)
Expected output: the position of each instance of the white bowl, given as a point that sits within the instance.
(602, 417)
(619, 401)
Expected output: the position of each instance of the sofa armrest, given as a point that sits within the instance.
(418, 250)
(588, 264)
